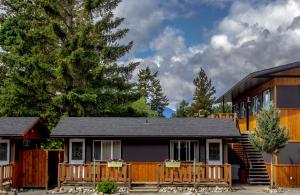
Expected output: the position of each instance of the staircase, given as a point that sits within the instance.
(257, 169)
(141, 188)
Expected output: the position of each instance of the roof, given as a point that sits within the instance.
(144, 127)
(16, 126)
(255, 79)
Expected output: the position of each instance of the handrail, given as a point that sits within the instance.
(6, 174)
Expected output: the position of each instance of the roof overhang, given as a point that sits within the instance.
(255, 79)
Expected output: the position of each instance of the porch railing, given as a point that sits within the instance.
(187, 173)
(92, 172)
(195, 174)
(6, 174)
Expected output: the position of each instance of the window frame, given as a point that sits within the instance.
(214, 162)
(111, 149)
(70, 151)
(267, 91)
(196, 149)
(7, 141)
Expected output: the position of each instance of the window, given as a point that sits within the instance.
(107, 150)
(255, 104)
(4, 151)
(266, 99)
(77, 151)
(214, 151)
(184, 150)
(242, 112)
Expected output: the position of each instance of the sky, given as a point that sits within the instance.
(227, 38)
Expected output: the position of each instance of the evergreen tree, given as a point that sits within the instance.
(203, 97)
(269, 136)
(183, 110)
(61, 59)
(227, 108)
(158, 101)
(149, 87)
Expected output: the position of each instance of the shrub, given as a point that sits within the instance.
(107, 187)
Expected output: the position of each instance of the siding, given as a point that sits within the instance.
(290, 154)
(145, 150)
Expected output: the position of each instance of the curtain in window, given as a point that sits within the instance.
(106, 150)
(77, 151)
(266, 99)
(3, 152)
(116, 149)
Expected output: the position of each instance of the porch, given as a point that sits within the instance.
(146, 173)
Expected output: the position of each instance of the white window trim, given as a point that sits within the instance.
(5, 162)
(214, 162)
(196, 149)
(83, 151)
(112, 150)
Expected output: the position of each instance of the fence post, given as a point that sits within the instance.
(1, 177)
(158, 175)
(129, 174)
(229, 177)
(58, 175)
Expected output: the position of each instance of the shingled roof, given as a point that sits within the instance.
(144, 127)
(16, 126)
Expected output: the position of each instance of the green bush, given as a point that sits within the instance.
(107, 187)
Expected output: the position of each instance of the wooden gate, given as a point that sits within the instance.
(34, 168)
(144, 172)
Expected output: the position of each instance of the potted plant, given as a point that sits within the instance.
(172, 163)
(115, 163)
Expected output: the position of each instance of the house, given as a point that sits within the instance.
(22, 163)
(144, 144)
(281, 85)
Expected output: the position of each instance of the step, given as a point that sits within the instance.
(258, 176)
(258, 183)
(143, 190)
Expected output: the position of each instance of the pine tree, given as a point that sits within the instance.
(158, 101)
(61, 59)
(183, 110)
(203, 97)
(149, 87)
(269, 136)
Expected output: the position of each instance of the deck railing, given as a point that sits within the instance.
(223, 115)
(92, 173)
(6, 174)
(187, 173)
(195, 174)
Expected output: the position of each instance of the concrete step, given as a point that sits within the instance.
(143, 190)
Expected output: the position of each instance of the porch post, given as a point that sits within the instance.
(66, 141)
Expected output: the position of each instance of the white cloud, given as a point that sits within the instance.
(253, 36)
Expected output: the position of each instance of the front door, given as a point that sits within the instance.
(214, 156)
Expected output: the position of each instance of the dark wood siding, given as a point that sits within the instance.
(148, 150)
(288, 96)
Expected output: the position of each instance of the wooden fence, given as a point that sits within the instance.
(92, 172)
(6, 174)
(285, 175)
(187, 173)
(144, 172)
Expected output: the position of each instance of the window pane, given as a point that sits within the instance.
(97, 150)
(3, 151)
(266, 99)
(183, 151)
(106, 150)
(176, 150)
(77, 150)
(117, 149)
(214, 151)
(192, 151)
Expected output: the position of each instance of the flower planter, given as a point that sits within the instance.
(114, 164)
(172, 164)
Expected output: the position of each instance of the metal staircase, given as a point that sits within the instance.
(257, 169)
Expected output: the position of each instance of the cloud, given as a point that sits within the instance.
(146, 18)
(254, 35)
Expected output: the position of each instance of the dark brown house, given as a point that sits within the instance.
(144, 141)
(20, 140)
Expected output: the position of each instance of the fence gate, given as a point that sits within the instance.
(34, 168)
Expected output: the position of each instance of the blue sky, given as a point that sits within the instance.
(227, 38)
